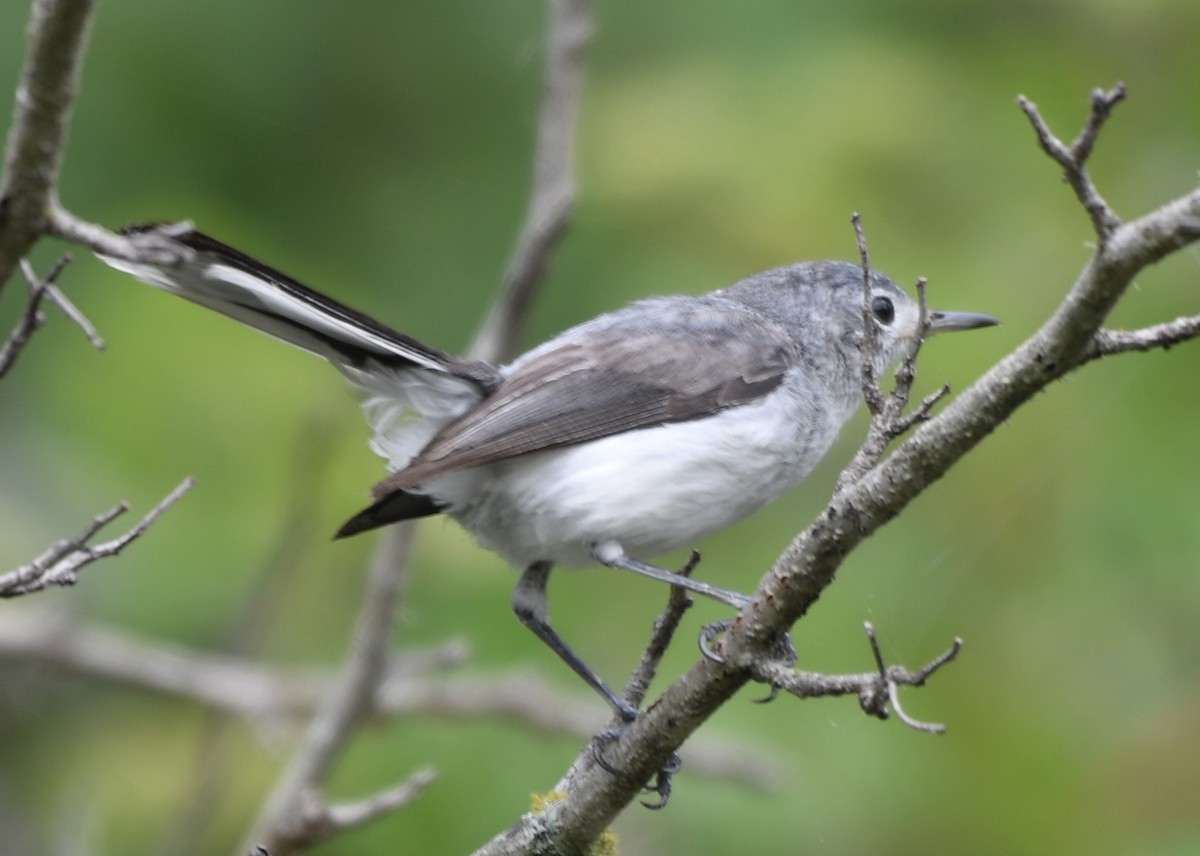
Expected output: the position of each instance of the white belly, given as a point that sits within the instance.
(651, 491)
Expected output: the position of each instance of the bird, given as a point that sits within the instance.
(624, 437)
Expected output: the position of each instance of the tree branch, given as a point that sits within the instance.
(888, 420)
(152, 247)
(57, 36)
(809, 564)
(60, 564)
(32, 319)
(678, 603)
(550, 204)
(1109, 342)
(345, 706)
(315, 820)
(1073, 158)
(875, 690)
(271, 698)
(553, 192)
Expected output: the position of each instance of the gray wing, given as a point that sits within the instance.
(656, 362)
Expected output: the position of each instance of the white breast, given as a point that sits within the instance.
(651, 490)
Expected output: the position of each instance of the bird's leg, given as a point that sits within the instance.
(610, 554)
(529, 603)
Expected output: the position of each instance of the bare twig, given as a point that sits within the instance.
(888, 420)
(1165, 336)
(316, 820)
(871, 390)
(876, 690)
(907, 374)
(893, 677)
(31, 318)
(1073, 158)
(553, 191)
(271, 697)
(678, 602)
(60, 564)
(346, 705)
(68, 308)
(153, 247)
(58, 31)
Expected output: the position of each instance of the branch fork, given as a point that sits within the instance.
(877, 691)
(1073, 158)
(888, 419)
(60, 564)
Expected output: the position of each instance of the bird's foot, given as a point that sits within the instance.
(662, 779)
(784, 651)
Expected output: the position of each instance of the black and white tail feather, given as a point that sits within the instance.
(410, 389)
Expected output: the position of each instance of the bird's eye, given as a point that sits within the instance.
(883, 310)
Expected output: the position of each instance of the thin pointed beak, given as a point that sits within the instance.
(942, 322)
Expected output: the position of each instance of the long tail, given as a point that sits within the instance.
(400, 376)
(228, 281)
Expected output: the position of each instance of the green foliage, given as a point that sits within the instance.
(381, 152)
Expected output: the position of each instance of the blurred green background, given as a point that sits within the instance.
(381, 152)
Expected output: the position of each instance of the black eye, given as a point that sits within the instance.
(883, 310)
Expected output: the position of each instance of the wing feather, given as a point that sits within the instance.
(679, 359)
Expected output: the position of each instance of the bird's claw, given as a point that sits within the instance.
(784, 651)
(601, 741)
(708, 633)
(662, 783)
(662, 779)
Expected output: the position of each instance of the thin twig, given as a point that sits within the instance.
(152, 247)
(32, 319)
(1073, 158)
(1165, 336)
(890, 679)
(68, 308)
(888, 420)
(60, 564)
(875, 689)
(553, 190)
(346, 704)
(907, 373)
(316, 820)
(665, 625)
(871, 390)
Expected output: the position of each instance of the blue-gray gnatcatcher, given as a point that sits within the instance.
(632, 434)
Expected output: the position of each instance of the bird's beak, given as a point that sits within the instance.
(942, 322)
